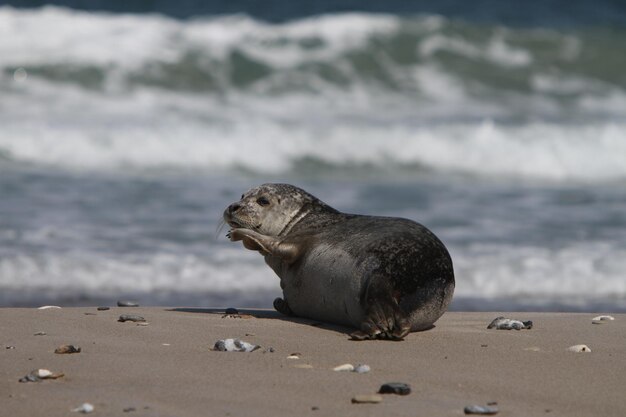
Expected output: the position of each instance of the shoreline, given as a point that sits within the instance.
(167, 367)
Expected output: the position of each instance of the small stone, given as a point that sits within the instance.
(90, 314)
(143, 323)
(602, 319)
(295, 355)
(399, 388)
(40, 334)
(129, 409)
(48, 307)
(67, 349)
(39, 374)
(231, 310)
(479, 409)
(234, 345)
(130, 317)
(579, 348)
(314, 408)
(30, 378)
(127, 303)
(85, 408)
(10, 347)
(362, 369)
(502, 323)
(103, 308)
(367, 399)
(271, 350)
(346, 367)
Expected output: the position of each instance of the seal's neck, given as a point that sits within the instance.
(299, 215)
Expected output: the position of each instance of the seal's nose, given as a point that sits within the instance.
(234, 207)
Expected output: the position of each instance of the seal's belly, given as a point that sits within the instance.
(325, 286)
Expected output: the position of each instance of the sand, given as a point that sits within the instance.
(167, 368)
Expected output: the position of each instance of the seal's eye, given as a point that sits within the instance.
(262, 201)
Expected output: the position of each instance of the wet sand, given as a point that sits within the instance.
(167, 368)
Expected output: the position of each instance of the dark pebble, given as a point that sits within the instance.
(40, 334)
(126, 303)
(399, 388)
(10, 347)
(314, 408)
(103, 308)
(231, 310)
(481, 410)
(30, 378)
(131, 317)
(129, 409)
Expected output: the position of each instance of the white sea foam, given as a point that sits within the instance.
(414, 113)
(483, 271)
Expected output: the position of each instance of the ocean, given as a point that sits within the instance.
(126, 129)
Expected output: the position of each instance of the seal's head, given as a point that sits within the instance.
(272, 209)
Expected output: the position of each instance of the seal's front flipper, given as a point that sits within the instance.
(253, 240)
(266, 245)
(282, 307)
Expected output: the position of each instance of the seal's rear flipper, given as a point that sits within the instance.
(384, 319)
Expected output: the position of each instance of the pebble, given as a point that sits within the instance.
(294, 356)
(85, 408)
(602, 319)
(103, 308)
(502, 323)
(127, 303)
(130, 317)
(231, 310)
(362, 369)
(346, 367)
(234, 345)
(67, 349)
(399, 388)
(47, 307)
(129, 409)
(579, 348)
(482, 410)
(40, 334)
(39, 374)
(367, 399)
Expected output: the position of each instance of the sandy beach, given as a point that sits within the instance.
(167, 367)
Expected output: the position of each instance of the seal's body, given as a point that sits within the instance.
(386, 276)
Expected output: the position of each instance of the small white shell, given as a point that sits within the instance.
(43, 373)
(47, 307)
(84, 408)
(346, 367)
(293, 356)
(602, 319)
(579, 348)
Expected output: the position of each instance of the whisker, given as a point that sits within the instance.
(219, 228)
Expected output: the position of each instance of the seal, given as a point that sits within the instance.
(386, 276)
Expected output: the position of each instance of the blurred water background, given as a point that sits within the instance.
(126, 127)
